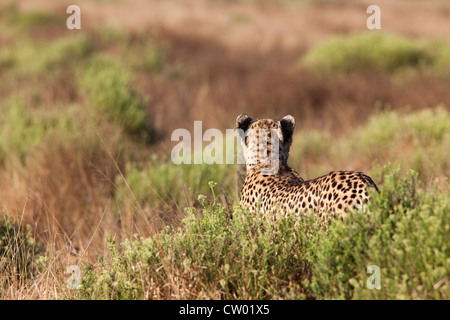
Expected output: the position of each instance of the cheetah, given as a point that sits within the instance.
(273, 185)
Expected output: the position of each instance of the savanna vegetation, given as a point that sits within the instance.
(86, 177)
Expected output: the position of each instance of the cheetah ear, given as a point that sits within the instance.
(243, 121)
(287, 127)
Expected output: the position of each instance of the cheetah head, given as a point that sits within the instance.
(266, 142)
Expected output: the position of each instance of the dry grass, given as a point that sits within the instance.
(260, 24)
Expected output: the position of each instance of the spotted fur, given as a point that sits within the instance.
(284, 189)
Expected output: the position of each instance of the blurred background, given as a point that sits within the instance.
(86, 115)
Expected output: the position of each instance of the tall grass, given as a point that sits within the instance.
(18, 254)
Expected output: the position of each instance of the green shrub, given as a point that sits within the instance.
(64, 52)
(405, 234)
(110, 93)
(153, 58)
(365, 51)
(140, 52)
(22, 128)
(40, 59)
(253, 256)
(440, 51)
(416, 140)
(34, 19)
(148, 57)
(420, 128)
(210, 257)
(112, 35)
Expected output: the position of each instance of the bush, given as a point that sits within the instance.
(33, 19)
(419, 140)
(148, 57)
(416, 140)
(38, 59)
(405, 234)
(366, 51)
(420, 128)
(210, 257)
(440, 51)
(215, 255)
(110, 93)
(23, 129)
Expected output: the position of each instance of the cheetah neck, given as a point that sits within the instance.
(283, 170)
